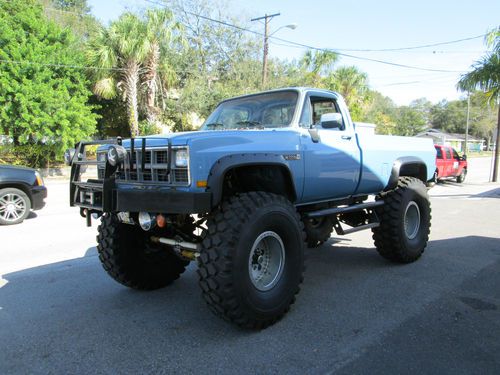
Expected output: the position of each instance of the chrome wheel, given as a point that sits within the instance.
(12, 207)
(412, 220)
(266, 261)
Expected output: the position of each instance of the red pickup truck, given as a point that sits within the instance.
(449, 164)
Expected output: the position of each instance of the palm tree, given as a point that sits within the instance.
(117, 54)
(160, 32)
(318, 64)
(350, 83)
(486, 77)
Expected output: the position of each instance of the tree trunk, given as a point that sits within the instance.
(131, 78)
(497, 144)
(151, 78)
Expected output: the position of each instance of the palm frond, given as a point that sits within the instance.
(105, 88)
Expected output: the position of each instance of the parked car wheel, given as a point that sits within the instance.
(15, 206)
(461, 176)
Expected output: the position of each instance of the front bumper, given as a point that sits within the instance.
(123, 198)
(162, 200)
(38, 194)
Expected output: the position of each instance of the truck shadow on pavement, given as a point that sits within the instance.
(71, 317)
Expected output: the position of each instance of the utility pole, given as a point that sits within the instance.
(267, 19)
(497, 141)
(467, 125)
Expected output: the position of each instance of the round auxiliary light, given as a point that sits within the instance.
(146, 220)
(116, 155)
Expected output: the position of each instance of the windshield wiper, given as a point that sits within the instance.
(214, 125)
(248, 123)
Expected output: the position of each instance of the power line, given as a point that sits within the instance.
(55, 65)
(82, 67)
(227, 24)
(414, 47)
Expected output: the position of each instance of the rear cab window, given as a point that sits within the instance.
(448, 153)
(439, 153)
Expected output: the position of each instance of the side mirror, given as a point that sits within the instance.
(331, 121)
(68, 155)
(464, 157)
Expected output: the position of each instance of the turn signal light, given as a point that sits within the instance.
(201, 184)
(161, 221)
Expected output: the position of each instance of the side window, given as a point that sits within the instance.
(455, 155)
(448, 153)
(439, 152)
(321, 106)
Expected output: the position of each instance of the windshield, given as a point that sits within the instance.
(269, 110)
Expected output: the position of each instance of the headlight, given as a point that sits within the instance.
(116, 155)
(181, 158)
(146, 220)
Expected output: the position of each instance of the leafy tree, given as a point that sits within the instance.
(409, 121)
(449, 117)
(486, 76)
(43, 101)
(380, 110)
(74, 15)
(482, 116)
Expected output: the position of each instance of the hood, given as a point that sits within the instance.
(16, 167)
(186, 138)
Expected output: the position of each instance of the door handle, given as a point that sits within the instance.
(346, 137)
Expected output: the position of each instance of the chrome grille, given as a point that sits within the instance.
(181, 176)
(155, 168)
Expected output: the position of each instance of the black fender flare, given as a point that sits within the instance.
(402, 162)
(218, 171)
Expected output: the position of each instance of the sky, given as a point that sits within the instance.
(374, 25)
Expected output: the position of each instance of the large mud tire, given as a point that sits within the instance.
(251, 230)
(318, 230)
(405, 221)
(130, 258)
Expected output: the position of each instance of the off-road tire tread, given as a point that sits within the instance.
(117, 263)
(215, 261)
(316, 237)
(387, 237)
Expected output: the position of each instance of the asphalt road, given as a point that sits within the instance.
(356, 313)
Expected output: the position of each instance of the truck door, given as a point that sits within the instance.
(450, 165)
(332, 160)
(440, 161)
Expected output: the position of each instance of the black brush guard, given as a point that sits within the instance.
(109, 195)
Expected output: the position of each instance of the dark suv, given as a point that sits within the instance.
(21, 190)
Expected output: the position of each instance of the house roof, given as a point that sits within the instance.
(438, 134)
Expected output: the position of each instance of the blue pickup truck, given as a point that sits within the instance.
(266, 176)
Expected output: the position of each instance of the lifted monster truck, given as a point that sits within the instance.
(267, 174)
